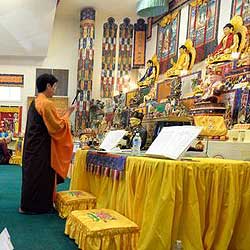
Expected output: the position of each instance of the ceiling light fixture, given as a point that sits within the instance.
(151, 8)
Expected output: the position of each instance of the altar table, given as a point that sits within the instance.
(203, 202)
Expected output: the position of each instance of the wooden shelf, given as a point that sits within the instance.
(169, 119)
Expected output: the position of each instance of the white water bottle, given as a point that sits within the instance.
(136, 146)
(178, 245)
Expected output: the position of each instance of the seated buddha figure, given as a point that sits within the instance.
(185, 61)
(151, 74)
(233, 41)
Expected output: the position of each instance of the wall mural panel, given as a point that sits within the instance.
(167, 40)
(241, 8)
(140, 36)
(108, 58)
(85, 67)
(203, 26)
(126, 30)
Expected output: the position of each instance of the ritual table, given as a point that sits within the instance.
(205, 203)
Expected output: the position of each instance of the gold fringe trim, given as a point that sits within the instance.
(168, 19)
(125, 238)
(64, 209)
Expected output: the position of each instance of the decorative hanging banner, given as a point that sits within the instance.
(85, 67)
(167, 40)
(108, 58)
(149, 27)
(125, 54)
(11, 80)
(203, 26)
(241, 8)
(109, 165)
(140, 43)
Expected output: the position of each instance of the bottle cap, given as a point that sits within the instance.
(178, 242)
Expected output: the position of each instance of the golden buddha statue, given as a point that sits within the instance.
(245, 56)
(151, 74)
(185, 61)
(233, 42)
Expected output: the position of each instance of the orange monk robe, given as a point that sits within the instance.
(59, 130)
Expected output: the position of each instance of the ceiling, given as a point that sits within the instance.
(26, 27)
(109, 7)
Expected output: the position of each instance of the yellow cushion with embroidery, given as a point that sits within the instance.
(103, 229)
(68, 201)
(211, 125)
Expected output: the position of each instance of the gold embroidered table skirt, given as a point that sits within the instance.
(102, 229)
(203, 202)
(67, 201)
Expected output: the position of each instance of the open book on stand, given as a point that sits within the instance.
(112, 139)
(172, 142)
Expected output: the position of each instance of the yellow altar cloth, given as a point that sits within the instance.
(102, 229)
(68, 201)
(203, 202)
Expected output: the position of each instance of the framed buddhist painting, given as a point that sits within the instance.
(61, 103)
(163, 90)
(167, 40)
(241, 8)
(189, 83)
(203, 26)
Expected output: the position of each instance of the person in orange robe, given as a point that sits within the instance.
(47, 149)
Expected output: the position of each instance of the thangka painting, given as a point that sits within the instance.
(108, 58)
(189, 83)
(85, 67)
(202, 26)
(243, 107)
(232, 100)
(126, 30)
(167, 40)
(241, 8)
(11, 119)
(140, 35)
